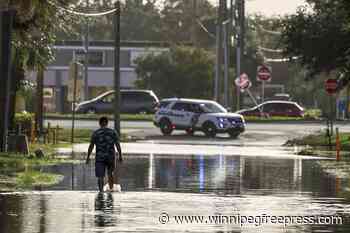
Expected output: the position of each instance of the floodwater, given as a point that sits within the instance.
(161, 189)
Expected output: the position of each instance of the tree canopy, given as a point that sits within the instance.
(153, 20)
(35, 27)
(318, 35)
(183, 72)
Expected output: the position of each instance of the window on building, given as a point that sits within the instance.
(96, 58)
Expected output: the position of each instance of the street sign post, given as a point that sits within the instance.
(243, 83)
(331, 88)
(263, 75)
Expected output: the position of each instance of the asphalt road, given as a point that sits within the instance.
(260, 135)
(149, 128)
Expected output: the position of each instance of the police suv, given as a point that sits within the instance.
(197, 115)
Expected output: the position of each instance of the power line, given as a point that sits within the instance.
(269, 31)
(270, 50)
(205, 29)
(71, 11)
(280, 60)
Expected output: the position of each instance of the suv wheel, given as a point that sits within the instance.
(209, 129)
(233, 134)
(165, 127)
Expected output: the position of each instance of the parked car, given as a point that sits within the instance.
(274, 108)
(196, 114)
(280, 96)
(132, 101)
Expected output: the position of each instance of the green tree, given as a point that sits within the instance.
(141, 21)
(154, 20)
(319, 35)
(180, 21)
(183, 72)
(35, 26)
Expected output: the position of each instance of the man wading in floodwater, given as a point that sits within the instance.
(104, 138)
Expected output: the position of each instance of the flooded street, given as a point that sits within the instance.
(190, 184)
(164, 186)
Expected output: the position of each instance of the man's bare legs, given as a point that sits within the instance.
(110, 180)
(100, 182)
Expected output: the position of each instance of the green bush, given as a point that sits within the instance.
(27, 89)
(313, 113)
(24, 121)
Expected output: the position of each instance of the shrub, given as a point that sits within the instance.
(24, 121)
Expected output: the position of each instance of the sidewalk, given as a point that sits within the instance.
(146, 148)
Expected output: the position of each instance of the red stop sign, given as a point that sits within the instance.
(264, 73)
(331, 86)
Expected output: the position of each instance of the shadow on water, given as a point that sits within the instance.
(179, 185)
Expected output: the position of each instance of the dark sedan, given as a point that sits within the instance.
(132, 101)
(274, 108)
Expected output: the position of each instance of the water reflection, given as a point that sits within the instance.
(78, 211)
(178, 185)
(196, 173)
(105, 213)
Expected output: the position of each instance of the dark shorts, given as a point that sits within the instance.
(102, 166)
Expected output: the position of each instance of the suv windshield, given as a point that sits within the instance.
(212, 108)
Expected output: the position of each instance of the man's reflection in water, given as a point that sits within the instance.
(106, 214)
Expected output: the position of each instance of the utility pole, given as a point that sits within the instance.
(116, 68)
(231, 43)
(242, 22)
(218, 71)
(6, 22)
(40, 97)
(75, 76)
(240, 29)
(194, 23)
(86, 63)
(217, 64)
(226, 60)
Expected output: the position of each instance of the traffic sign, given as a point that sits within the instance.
(331, 86)
(264, 73)
(243, 81)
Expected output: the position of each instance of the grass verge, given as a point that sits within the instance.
(18, 171)
(312, 115)
(64, 140)
(123, 117)
(320, 140)
(30, 179)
